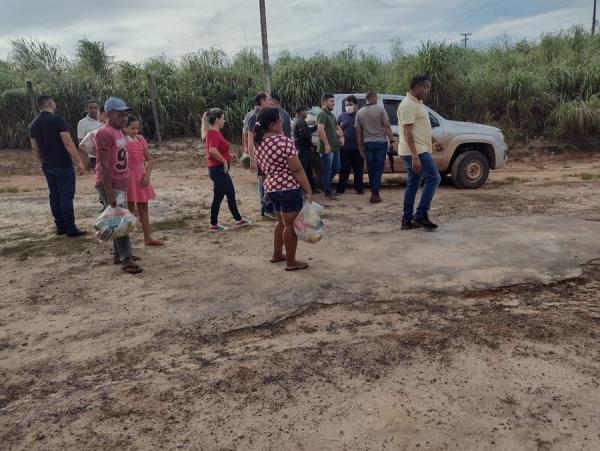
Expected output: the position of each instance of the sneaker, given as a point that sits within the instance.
(426, 223)
(331, 196)
(409, 225)
(218, 228)
(360, 193)
(339, 193)
(243, 223)
(76, 233)
(269, 215)
(60, 232)
(375, 199)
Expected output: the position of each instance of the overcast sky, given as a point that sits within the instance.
(136, 29)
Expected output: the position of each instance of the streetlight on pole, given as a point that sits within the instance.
(265, 46)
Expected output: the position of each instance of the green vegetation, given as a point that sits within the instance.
(549, 87)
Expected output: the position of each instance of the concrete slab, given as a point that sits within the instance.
(475, 253)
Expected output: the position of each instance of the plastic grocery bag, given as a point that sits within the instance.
(115, 222)
(308, 224)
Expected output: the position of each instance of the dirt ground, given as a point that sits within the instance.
(214, 348)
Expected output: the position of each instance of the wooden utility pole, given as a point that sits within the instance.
(265, 46)
(594, 21)
(31, 97)
(154, 103)
(465, 38)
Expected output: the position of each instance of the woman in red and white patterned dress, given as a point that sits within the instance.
(285, 183)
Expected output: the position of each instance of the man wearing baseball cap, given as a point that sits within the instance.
(112, 174)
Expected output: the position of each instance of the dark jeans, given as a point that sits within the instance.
(375, 153)
(121, 246)
(305, 157)
(432, 178)
(61, 183)
(330, 166)
(222, 186)
(351, 160)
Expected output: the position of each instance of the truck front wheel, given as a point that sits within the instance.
(470, 170)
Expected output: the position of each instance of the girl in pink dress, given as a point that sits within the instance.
(140, 166)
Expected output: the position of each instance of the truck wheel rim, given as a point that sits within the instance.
(473, 170)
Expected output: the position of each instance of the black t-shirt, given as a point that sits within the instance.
(46, 129)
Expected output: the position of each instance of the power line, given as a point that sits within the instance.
(465, 38)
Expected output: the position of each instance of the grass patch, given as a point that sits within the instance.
(169, 224)
(13, 190)
(510, 181)
(585, 176)
(60, 246)
(589, 176)
(175, 223)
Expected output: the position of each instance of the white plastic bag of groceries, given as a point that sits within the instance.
(115, 222)
(308, 224)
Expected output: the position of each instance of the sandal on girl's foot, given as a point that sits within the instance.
(278, 259)
(218, 228)
(298, 267)
(132, 268)
(154, 243)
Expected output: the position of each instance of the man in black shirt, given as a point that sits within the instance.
(303, 142)
(56, 152)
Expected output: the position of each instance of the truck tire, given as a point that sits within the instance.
(470, 170)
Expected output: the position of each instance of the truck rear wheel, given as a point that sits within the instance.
(470, 170)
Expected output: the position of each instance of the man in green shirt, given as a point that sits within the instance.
(331, 138)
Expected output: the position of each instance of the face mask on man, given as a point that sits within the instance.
(349, 109)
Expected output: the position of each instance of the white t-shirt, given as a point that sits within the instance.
(85, 126)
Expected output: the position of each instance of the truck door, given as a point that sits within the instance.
(437, 132)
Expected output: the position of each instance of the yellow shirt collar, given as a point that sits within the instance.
(408, 94)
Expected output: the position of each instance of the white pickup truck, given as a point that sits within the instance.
(470, 150)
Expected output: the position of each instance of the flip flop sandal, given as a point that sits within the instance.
(278, 260)
(297, 267)
(154, 243)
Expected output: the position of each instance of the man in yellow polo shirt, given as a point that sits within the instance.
(415, 150)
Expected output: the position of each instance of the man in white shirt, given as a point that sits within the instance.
(89, 124)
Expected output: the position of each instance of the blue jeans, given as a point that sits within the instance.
(265, 205)
(121, 246)
(375, 153)
(61, 183)
(330, 166)
(432, 178)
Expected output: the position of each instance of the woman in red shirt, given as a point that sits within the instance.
(219, 160)
(284, 180)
